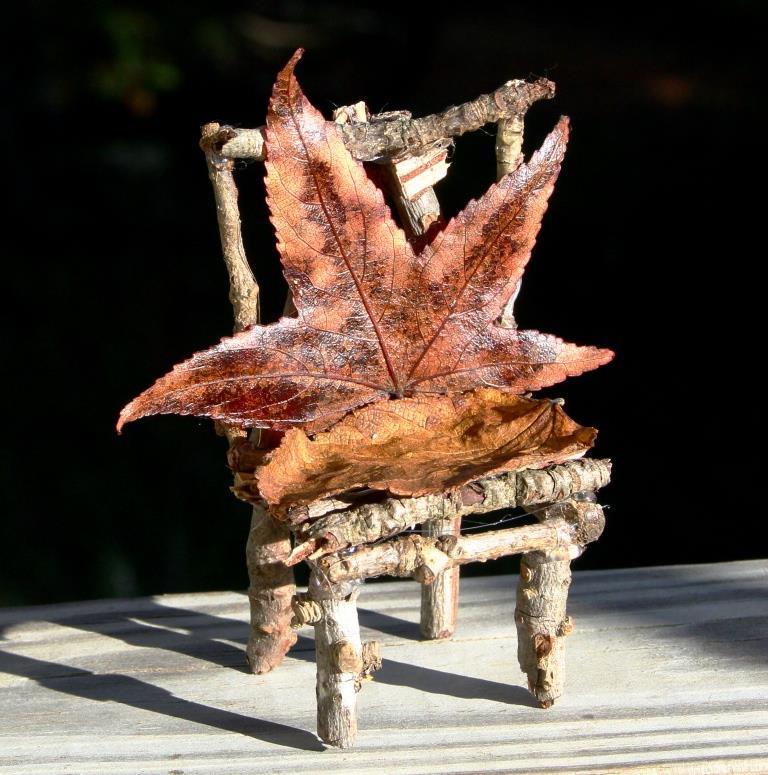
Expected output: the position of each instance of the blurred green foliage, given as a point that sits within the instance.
(138, 68)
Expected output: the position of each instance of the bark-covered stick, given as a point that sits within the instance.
(339, 661)
(509, 144)
(509, 154)
(243, 288)
(271, 583)
(542, 594)
(270, 590)
(338, 524)
(440, 599)
(385, 140)
(542, 623)
(423, 558)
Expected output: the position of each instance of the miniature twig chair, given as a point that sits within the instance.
(410, 155)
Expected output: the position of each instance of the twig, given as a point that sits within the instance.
(440, 599)
(542, 594)
(243, 288)
(368, 522)
(392, 139)
(269, 542)
(509, 155)
(509, 144)
(542, 623)
(270, 590)
(423, 558)
(339, 662)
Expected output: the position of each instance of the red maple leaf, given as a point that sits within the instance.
(375, 318)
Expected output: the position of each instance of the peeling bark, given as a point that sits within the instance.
(509, 144)
(410, 182)
(305, 609)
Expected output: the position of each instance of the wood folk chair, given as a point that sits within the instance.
(370, 538)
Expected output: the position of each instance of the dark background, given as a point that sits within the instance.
(650, 247)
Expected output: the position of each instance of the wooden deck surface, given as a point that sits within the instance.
(667, 673)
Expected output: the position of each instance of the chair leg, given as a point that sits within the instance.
(340, 663)
(270, 591)
(542, 623)
(440, 599)
(542, 597)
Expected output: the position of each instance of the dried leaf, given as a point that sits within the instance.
(415, 446)
(375, 319)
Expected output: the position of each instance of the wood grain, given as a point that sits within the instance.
(667, 672)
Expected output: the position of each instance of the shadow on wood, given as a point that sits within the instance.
(157, 626)
(672, 672)
(113, 687)
(427, 679)
(389, 625)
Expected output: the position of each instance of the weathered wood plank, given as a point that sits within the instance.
(667, 672)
